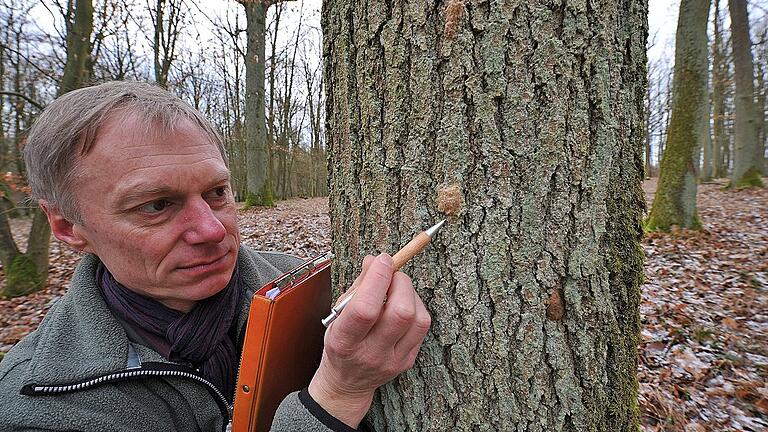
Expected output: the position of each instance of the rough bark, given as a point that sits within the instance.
(747, 158)
(675, 200)
(532, 116)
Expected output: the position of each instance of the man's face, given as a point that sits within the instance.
(159, 211)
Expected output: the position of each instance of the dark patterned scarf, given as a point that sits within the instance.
(201, 337)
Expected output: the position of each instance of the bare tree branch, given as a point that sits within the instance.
(25, 97)
(31, 63)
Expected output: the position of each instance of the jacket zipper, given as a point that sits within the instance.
(166, 370)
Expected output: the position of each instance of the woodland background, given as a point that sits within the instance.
(703, 355)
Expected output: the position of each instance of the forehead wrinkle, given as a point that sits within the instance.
(206, 149)
(196, 152)
(139, 184)
(175, 164)
(190, 146)
(136, 127)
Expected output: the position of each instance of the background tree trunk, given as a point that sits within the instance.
(27, 272)
(762, 95)
(4, 156)
(166, 32)
(707, 160)
(79, 29)
(747, 153)
(675, 199)
(259, 183)
(719, 77)
(533, 134)
(647, 153)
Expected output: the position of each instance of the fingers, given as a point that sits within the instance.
(365, 307)
(398, 313)
(410, 343)
(371, 342)
(366, 263)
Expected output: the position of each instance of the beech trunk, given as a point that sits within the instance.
(675, 201)
(747, 152)
(719, 78)
(258, 181)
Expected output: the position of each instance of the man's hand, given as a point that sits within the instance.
(374, 339)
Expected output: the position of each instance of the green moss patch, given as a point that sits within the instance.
(22, 277)
(751, 178)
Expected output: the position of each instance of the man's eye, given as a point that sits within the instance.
(155, 206)
(219, 192)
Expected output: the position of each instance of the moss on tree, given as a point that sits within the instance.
(22, 277)
(675, 201)
(265, 198)
(751, 178)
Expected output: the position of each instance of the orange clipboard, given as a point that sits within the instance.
(283, 342)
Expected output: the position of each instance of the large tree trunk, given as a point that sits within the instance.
(527, 123)
(675, 199)
(258, 180)
(719, 77)
(747, 158)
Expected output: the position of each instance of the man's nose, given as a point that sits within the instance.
(201, 223)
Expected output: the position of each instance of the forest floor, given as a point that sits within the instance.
(704, 311)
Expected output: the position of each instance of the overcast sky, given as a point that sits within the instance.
(662, 24)
(662, 19)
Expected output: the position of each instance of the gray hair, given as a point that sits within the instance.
(68, 127)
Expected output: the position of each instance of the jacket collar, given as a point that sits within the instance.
(80, 338)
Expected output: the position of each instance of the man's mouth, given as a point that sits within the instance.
(201, 264)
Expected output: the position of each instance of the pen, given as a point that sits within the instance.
(416, 245)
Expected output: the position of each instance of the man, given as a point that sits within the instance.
(147, 336)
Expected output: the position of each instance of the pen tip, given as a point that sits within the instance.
(432, 231)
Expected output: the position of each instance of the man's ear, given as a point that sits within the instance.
(63, 228)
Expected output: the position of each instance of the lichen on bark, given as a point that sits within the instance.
(533, 115)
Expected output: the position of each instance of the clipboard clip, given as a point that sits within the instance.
(298, 273)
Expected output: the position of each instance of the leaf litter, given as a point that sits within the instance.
(704, 352)
(703, 356)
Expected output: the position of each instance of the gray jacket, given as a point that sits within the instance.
(80, 372)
